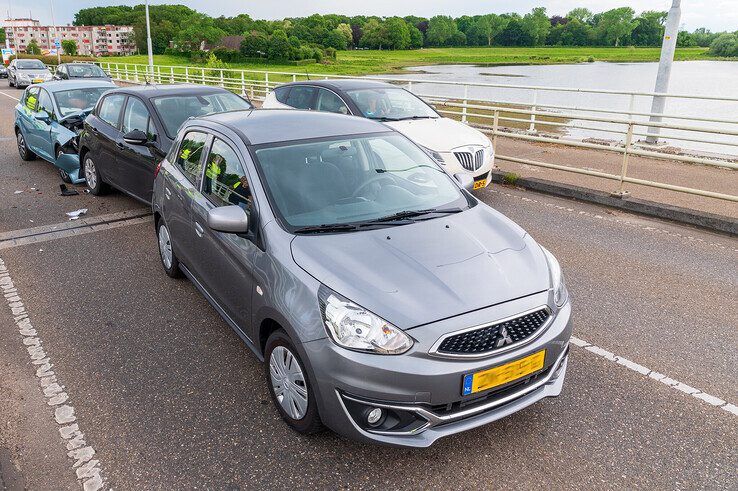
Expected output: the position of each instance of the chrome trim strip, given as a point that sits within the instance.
(436, 420)
(487, 354)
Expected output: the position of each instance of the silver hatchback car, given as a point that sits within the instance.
(386, 301)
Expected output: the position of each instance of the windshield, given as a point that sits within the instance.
(391, 103)
(174, 110)
(29, 65)
(85, 71)
(355, 180)
(74, 101)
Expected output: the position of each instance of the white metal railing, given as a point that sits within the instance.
(515, 119)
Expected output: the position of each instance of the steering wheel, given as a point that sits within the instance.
(371, 181)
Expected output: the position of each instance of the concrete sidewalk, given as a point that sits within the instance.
(658, 170)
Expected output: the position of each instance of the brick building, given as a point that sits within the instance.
(91, 40)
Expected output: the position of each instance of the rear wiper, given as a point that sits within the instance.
(326, 227)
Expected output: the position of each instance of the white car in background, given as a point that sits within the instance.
(456, 146)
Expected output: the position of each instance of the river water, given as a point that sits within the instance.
(711, 78)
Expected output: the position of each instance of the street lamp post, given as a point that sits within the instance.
(148, 42)
(56, 35)
(671, 32)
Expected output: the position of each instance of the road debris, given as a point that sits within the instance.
(74, 215)
(65, 191)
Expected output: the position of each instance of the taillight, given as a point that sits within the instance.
(158, 168)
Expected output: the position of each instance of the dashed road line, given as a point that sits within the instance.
(654, 375)
(81, 454)
(597, 216)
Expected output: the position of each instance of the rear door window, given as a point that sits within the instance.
(301, 97)
(189, 156)
(110, 109)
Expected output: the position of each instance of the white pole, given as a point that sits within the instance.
(668, 47)
(56, 35)
(148, 41)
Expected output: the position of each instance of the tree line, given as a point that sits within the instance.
(182, 29)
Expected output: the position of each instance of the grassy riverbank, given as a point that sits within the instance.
(362, 62)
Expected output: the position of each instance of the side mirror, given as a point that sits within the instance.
(466, 181)
(136, 137)
(42, 116)
(230, 219)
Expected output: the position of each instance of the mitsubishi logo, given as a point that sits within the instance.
(504, 338)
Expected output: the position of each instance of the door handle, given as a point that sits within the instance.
(94, 130)
(119, 145)
(198, 229)
(168, 193)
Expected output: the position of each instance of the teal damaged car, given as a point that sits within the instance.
(48, 120)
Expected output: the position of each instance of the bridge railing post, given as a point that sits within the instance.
(495, 128)
(466, 101)
(621, 192)
(534, 107)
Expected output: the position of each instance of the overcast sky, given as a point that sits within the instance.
(717, 15)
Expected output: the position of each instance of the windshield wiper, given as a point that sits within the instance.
(327, 227)
(407, 214)
(415, 117)
(383, 118)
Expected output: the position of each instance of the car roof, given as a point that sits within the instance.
(260, 126)
(158, 90)
(61, 85)
(344, 84)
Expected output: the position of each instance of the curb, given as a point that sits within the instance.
(709, 221)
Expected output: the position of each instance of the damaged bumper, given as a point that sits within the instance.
(69, 162)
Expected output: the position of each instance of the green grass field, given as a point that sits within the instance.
(363, 62)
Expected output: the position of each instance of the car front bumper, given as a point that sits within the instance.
(425, 389)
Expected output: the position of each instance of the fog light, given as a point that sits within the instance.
(374, 416)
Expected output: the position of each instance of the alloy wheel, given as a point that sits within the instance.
(288, 382)
(21, 145)
(90, 173)
(165, 246)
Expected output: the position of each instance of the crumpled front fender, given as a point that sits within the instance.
(69, 162)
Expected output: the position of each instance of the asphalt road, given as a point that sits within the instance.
(170, 398)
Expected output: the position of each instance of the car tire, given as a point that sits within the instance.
(23, 150)
(62, 173)
(169, 260)
(94, 180)
(295, 400)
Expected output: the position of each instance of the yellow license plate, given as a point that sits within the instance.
(37, 80)
(480, 183)
(494, 377)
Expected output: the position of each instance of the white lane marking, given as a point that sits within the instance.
(86, 468)
(8, 95)
(644, 227)
(659, 377)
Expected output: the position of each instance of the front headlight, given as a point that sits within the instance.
(353, 327)
(557, 278)
(436, 156)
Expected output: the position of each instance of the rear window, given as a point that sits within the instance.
(300, 97)
(176, 109)
(85, 71)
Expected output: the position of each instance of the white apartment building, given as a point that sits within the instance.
(91, 40)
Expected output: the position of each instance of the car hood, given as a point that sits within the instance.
(33, 73)
(439, 134)
(415, 274)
